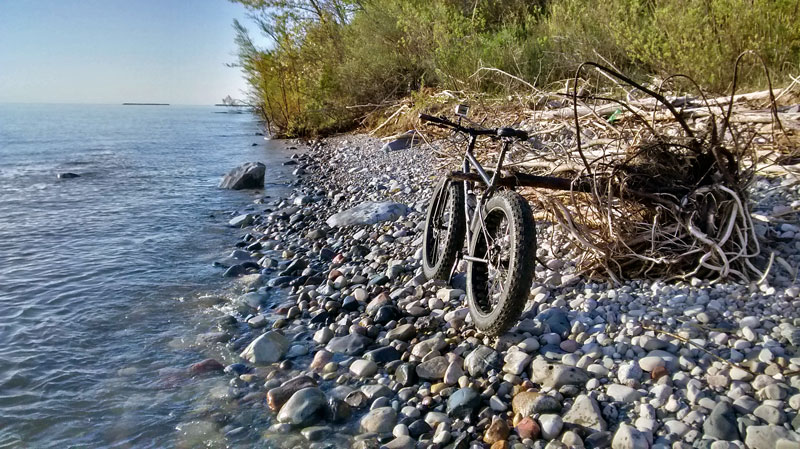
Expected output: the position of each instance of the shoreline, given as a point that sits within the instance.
(359, 344)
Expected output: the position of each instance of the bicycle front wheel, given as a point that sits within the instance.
(505, 242)
(445, 227)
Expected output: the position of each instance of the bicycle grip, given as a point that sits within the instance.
(434, 119)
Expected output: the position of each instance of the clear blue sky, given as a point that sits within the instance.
(113, 51)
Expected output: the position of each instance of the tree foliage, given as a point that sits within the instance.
(331, 62)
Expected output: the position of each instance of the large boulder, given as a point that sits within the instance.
(406, 140)
(304, 407)
(246, 176)
(368, 213)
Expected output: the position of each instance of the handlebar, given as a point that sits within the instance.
(500, 132)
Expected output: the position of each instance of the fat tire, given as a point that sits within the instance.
(508, 309)
(454, 241)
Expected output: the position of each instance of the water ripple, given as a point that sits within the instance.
(90, 267)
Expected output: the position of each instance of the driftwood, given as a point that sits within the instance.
(659, 191)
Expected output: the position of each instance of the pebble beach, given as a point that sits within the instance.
(334, 338)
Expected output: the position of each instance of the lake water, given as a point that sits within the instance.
(98, 273)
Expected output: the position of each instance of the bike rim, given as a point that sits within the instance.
(494, 244)
(439, 229)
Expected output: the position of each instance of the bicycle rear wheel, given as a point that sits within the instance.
(505, 240)
(445, 227)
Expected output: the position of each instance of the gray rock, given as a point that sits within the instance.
(368, 213)
(246, 176)
(515, 362)
(528, 403)
(304, 407)
(363, 368)
(721, 423)
(432, 369)
(316, 433)
(402, 332)
(628, 437)
(585, 413)
(241, 221)
(379, 420)
(401, 442)
(463, 402)
(770, 414)
(766, 437)
(657, 358)
(351, 344)
(406, 140)
(252, 300)
(556, 318)
(434, 343)
(480, 360)
(551, 426)
(375, 391)
(622, 393)
(556, 375)
(268, 348)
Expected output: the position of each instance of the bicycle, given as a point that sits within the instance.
(499, 232)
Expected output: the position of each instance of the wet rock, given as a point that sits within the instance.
(237, 369)
(528, 403)
(401, 442)
(316, 433)
(379, 420)
(206, 366)
(321, 358)
(367, 214)
(352, 344)
(234, 271)
(463, 402)
(268, 348)
(585, 414)
(305, 406)
(68, 175)
(277, 397)
(246, 176)
(356, 399)
(339, 411)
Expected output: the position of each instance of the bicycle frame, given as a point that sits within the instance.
(491, 184)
